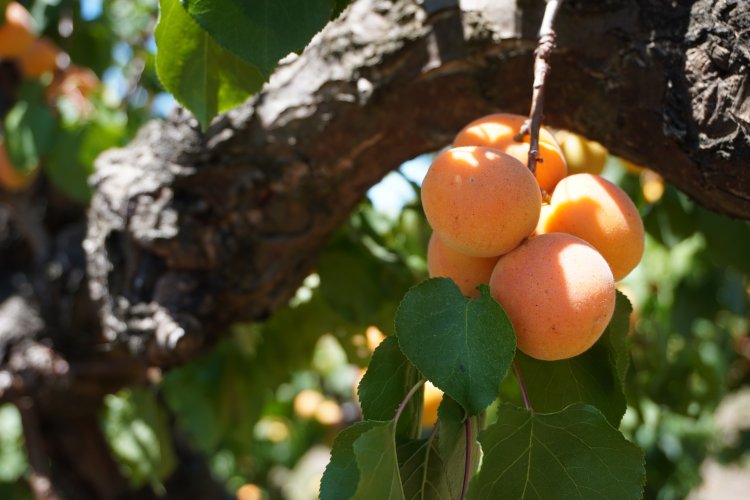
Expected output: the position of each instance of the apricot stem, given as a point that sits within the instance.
(407, 398)
(467, 457)
(547, 37)
(522, 385)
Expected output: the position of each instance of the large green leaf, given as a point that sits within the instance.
(202, 76)
(422, 471)
(452, 444)
(463, 346)
(341, 476)
(595, 377)
(29, 128)
(385, 384)
(377, 461)
(575, 453)
(262, 31)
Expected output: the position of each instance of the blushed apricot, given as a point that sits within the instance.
(75, 82)
(480, 202)
(499, 131)
(602, 214)
(39, 59)
(558, 292)
(466, 271)
(16, 33)
(582, 155)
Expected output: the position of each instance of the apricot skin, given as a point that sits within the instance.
(498, 131)
(39, 59)
(602, 214)
(479, 201)
(16, 34)
(558, 292)
(582, 155)
(466, 271)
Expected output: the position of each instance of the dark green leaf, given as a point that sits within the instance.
(341, 476)
(452, 441)
(201, 75)
(339, 6)
(595, 377)
(575, 453)
(463, 346)
(385, 384)
(261, 32)
(422, 471)
(377, 462)
(29, 128)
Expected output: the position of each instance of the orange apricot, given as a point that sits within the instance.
(466, 271)
(499, 131)
(432, 399)
(582, 155)
(16, 34)
(558, 292)
(480, 202)
(75, 82)
(10, 178)
(602, 214)
(39, 59)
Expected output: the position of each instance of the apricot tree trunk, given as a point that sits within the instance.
(189, 232)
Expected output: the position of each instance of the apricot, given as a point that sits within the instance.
(582, 155)
(631, 168)
(498, 131)
(602, 214)
(10, 178)
(558, 292)
(16, 34)
(479, 201)
(543, 216)
(75, 82)
(39, 59)
(432, 398)
(466, 271)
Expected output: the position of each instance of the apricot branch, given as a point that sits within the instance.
(407, 398)
(547, 37)
(522, 385)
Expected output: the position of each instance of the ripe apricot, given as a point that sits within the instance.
(10, 178)
(631, 168)
(581, 154)
(499, 130)
(466, 271)
(602, 214)
(480, 202)
(432, 398)
(75, 82)
(39, 59)
(558, 292)
(16, 34)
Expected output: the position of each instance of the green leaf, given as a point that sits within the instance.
(200, 74)
(12, 455)
(463, 346)
(29, 128)
(422, 471)
(575, 453)
(139, 433)
(341, 476)
(452, 444)
(377, 461)
(261, 32)
(385, 384)
(595, 377)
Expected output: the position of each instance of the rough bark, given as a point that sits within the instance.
(189, 232)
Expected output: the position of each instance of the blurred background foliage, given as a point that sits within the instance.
(266, 403)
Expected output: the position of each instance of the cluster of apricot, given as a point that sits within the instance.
(38, 58)
(551, 246)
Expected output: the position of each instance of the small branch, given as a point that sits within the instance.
(39, 479)
(407, 398)
(467, 458)
(543, 51)
(522, 385)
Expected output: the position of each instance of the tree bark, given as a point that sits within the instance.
(190, 231)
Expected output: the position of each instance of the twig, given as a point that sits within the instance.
(542, 53)
(407, 398)
(522, 385)
(39, 479)
(467, 457)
